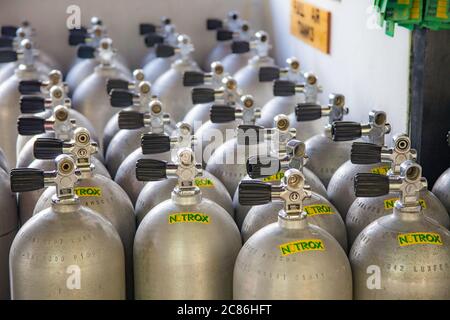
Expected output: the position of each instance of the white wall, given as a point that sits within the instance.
(368, 67)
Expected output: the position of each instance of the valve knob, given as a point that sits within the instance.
(146, 28)
(86, 52)
(193, 78)
(253, 193)
(32, 104)
(116, 84)
(240, 47)
(222, 114)
(77, 38)
(80, 30)
(283, 88)
(120, 98)
(6, 42)
(365, 153)
(213, 24)
(164, 51)
(269, 74)
(47, 148)
(7, 55)
(131, 120)
(345, 130)
(202, 95)
(262, 166)
(150, 170)
(152, 39)
(30, 86)
(371, 185)
(308, 111)
(30, 126)
(26, 179)
(153, 143)
(224, 35)
(9, 31)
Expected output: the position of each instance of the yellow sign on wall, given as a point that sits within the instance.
(311, 24)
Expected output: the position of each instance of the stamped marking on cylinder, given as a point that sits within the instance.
(315, 209)
(204, 182)
(88, 192)
(301, 246)
(276, 177)
(189, 217)
(380, 170)
(389, 203)
(407, 239)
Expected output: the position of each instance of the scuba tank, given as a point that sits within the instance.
(97, 192)
(8, 229)
(59, 126)
(291, 258)
(162, 61)
(41, 61)
(134, 124)
(67, 251)
(126, 175)
(199, 114)
(340, 188)
(112, 126)
(169, 86)
(216, 132)
(442, 185)
(224, 34)
(199, 228)
(320, 211)
(87, 62)
(239, 56)
(248, 77)
(3, 161)
(403, 255)
(325, 155)
(364, 211)
(27, 200)
(32, 102)
(9, 95)
(90, 97)
(154, 34)
(156, 192)
(279, 149)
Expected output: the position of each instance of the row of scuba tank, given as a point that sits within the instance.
(193, 191)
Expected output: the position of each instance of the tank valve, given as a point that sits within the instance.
(248, 113)
(122, 98)
(227, 93)
(138, 76)
(232, 22)
(291, 73)
(374, 131)
(38, 86)
(261, 44)
(368, 153)
(214, 78)
(90, 36)
(34, 104)
(408, 184)
(335, 110)
(309, 88)
(104, 51)
(184, 48)
(292, 191)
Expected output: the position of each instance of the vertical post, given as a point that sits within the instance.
(430, 100)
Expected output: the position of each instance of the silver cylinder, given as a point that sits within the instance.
(441, 189)
(220, 51)
(157, 67)
(234, 62)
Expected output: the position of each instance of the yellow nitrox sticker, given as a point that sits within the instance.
(380, 170)
(204, 182)
(408, 239)
(88, 192)
(389, 203)
(189, 217)
(276, 177)
(314, 209)
(301, 246)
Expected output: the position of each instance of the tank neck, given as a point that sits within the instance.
(186, 198)
(25, 71)
(260, 61)
(105, 69)
(407, 213)
(183, 64)
(287, 221)
(65, 205)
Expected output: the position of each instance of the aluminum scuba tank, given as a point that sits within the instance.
(199, 114)
(134, 124)
(320, 211)
(9, 95)
(292, 258)
(90, 97)
(186, 223)
(154, 34)
(100, 194)
(112, 126)
(239, 56)
(59, 126)
(364, 211)
(156, 192)
(169, 86)
(27, 200)
(224, 34)
(442, 185)
(42, 105)
(280, 149)
(214, 134)
(67, 251)
(248, 77)
(403, 255)
(8, 229)
(126, 176)
(3, 161)
(86, 64)
(340, 189)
